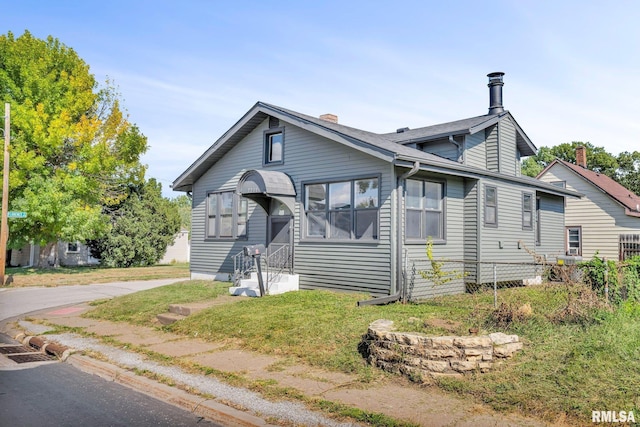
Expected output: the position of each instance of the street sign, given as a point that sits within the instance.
(16, 214)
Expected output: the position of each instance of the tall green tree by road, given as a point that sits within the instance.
(183, 204)
(143, 225)
(73, 148)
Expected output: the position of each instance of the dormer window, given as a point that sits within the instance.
(274, 146)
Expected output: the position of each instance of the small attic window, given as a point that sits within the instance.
(274, 146)
(273, 122)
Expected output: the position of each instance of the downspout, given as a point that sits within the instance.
(400, 288)
(457, 144)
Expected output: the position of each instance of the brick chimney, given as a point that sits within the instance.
(329, 117)
(581, 156)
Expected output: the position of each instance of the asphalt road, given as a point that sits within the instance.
(18, 301)
(59, 395)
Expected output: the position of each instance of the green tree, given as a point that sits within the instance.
(628, 174)
(143, 225)
(183, 204)
(72, 147)
(598, 159)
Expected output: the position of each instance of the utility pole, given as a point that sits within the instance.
(4, 225)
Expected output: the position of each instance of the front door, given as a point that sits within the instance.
(280, 233)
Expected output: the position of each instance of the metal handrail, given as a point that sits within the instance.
(242, 266)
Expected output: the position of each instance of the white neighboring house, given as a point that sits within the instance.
(179, 250)
(606, 220)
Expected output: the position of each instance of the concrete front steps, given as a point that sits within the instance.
(181, 311)
(250, 287)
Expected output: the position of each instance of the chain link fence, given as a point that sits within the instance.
(502, 286)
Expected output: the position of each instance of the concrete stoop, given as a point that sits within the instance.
(251, 288)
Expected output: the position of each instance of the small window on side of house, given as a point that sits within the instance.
(490, 206)
(574, 241)
(561, 184)
(527, 211)
(73, 247)
(274, 146)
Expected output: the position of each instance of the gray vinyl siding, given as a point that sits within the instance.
(602, 219)
(492, 149)
(507, 241)
(443, 148)
(345, 265)
(471, 229)
(551, 227)
(452, 250)
(507, 147)
(475, 151)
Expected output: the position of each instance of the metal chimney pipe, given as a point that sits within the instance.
(495, 92)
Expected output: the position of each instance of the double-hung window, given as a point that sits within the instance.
(527, 211)
(274, 146)
(490, 206)
(574, 240)
(342, 210)
(424, 210)
(226, 215)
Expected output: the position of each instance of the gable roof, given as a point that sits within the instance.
(378, 145)
(468, 126)
(623, 196)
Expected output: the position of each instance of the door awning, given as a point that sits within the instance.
(261, 186)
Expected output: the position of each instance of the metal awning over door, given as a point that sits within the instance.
(261, 186)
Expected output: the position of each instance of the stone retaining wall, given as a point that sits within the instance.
(417, 355)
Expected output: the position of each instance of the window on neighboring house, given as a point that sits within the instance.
(490, 206)
(424, 210)
(538, 223)
(344, 210)
(274, 146)
(561, 184)
(527, 211)
(574, 240)
(73, 247)
(226, 215)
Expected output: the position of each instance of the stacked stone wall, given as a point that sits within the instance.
(417, 355)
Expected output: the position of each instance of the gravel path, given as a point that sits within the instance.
(286, 411)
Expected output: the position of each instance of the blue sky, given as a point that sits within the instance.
(188, 70)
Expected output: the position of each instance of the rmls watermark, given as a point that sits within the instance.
(613, 417)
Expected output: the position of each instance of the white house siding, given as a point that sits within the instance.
(308, 157)
(450, 251)
(179, 250)
(475, 151)
(602, 219)
(507, 146)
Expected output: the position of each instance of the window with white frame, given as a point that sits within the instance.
(342, 210)
(73, 247)
(574, 240)
(490, 206)
(424, 217)
(527, 211)
(226, 215)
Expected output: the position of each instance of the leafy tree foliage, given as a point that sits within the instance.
(597, 158)
(183, 204)
(624, 168)
(72, 147)
(143, 225)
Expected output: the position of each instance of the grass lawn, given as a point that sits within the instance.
(565, 371)
(64, 276)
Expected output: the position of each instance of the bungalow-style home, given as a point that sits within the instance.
(349, 207)
(605, 221)
(69, 254)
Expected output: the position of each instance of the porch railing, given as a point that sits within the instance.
(274, 264)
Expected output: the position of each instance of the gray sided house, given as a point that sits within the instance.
(351, 207)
